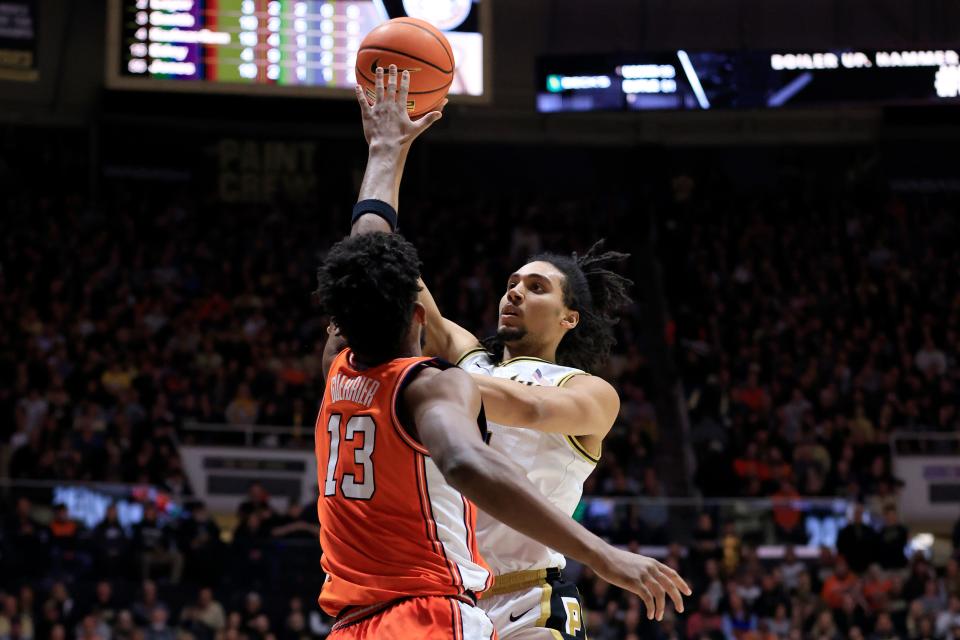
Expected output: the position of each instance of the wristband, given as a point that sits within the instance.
(376, 207)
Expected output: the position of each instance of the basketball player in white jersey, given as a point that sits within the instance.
(545, 411)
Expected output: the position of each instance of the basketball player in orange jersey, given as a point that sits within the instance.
(554, 326)
(432, 410)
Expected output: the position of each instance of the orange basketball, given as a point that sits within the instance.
(414, 45)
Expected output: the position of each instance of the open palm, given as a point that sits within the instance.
(387, 120)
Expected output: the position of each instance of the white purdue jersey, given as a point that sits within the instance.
(556, 464)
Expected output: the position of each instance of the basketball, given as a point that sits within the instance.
(413, 45)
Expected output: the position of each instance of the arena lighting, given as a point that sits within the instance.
(693, 79)
(921, 543)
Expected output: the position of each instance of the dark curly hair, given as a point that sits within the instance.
(368, 285)
(597, 293)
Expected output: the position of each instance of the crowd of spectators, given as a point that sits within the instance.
(806, 327)
(805, 330)
(177, 578)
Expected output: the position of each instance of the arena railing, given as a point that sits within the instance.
(651, 524)
(247, 435)
(924, 443)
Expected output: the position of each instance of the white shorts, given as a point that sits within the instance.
(550, 610)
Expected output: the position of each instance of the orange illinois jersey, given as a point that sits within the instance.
(390, 524)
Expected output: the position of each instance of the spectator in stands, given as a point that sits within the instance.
(295, 626)
(243, 409)
(786, 517)
(249, 544)
(64, 539)
(61, 605)
(877, 588)
(111, 545)
(892, 541)
(252, 609)
(884, 629)
(857, 542)
(791, 568)
(105, 605)
(201, 545)
(158, 629)
(951, 578)
(155, 546)
(258, 501)
(209, 612)
(841, 583)
(143, 608)
(92, 628)
(704, 545)
(16, 620)
(930, 360)
(705, 621)
(933, 599)
(825, 627)
(772, 595)
(737, 620)
(124, 628)
(949, 618)
(30, 540)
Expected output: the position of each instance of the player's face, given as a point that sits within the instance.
(532, 305)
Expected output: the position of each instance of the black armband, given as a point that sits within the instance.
(376, 207)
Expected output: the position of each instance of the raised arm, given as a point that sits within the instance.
(583, 406)
(444, 406)
(390, 132)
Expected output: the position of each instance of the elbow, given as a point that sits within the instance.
(463, 469)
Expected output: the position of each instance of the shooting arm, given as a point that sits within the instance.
(585, 405)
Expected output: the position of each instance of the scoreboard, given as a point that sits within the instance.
(281, 47)
(698, 80)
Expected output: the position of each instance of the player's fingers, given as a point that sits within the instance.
(647, 598)
(379, 85)
(404, 88)
(362, 99)
(672, 591)
(658, 596)
(677, 580)
(424, 123)
(392, 83)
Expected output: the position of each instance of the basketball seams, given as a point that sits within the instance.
(405, 55)
(409, 21)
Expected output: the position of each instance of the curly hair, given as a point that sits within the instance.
(368, 285)
(597, 293)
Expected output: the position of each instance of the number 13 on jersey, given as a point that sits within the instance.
(361, 432)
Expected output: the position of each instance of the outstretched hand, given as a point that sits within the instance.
(653, 581)
(387, 120)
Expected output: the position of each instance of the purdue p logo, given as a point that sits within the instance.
(574, 616)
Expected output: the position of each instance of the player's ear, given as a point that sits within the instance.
(419, 313)
(570, 319)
